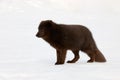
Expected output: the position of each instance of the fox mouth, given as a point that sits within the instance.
(40, 34)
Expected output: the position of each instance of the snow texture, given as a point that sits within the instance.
(25, 57)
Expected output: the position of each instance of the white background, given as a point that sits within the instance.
(25, 57)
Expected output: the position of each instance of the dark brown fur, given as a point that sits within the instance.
(69, 37)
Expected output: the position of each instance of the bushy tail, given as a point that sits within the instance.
(99, 57)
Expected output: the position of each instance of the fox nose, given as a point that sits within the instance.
(37, 35)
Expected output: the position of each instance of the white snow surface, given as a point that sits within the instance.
(25, 57)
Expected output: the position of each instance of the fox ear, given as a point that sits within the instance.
(50, 24)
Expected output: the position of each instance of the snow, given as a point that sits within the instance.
(25, 57)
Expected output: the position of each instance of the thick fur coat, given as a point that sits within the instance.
(69, 37)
